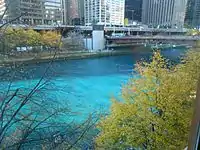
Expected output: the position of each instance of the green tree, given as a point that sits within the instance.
(34, 38)
(51, 39)
(7, 41)
(156, 109)
(21, 37)
(13, 38)
(192, 32)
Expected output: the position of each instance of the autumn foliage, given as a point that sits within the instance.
(12, 38)
(156, 109)
(51, 38)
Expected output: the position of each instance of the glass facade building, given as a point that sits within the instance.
(193, 13)
(133, 10)
(196, 14)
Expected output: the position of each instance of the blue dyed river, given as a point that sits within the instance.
(85, 85)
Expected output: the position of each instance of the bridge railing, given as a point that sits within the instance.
(156, 37)
(86, 28)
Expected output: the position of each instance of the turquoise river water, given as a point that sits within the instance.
(85, 85)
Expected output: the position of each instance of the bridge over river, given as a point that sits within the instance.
(100, 39)
(112, 42)
(108, 29)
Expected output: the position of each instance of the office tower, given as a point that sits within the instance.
(104, 12)
(74, 11)
(164, 12)
(179, 12)
(81, 8)
(2, 7)
(189, 12)
(52, 11)
(196, 14)
(133, 10)
(193, 13)
(33, 12)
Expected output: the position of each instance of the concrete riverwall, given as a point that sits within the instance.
(47, 57)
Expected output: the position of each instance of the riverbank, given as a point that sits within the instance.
(60, 55)
(45, 56)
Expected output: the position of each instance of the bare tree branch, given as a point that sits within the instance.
(4, 13)
(11, 21)
(26, 116)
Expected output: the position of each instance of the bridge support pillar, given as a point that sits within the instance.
(98, 41)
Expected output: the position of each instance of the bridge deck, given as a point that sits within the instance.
(89, 28)
(188, 38)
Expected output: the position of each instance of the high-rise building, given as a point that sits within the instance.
(34, 12)
(164, 12)
(196, 14)
(193, 13)
(104, 12)
(133, 10)
(81, 9)
(2, 7)
(52, 11)
(74, 11)
(189, 12)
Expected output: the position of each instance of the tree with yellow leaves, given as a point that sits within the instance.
(13, 38)
(156, 108)
(193, 32)
(51, 39)
(7, 41)
(33, 38)
(20, 36)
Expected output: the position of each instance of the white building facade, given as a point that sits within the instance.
(164, 12)
(2, 7)
(104, 12)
